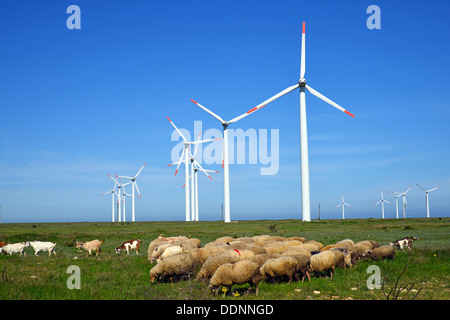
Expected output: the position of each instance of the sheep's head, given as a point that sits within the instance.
(153, 277)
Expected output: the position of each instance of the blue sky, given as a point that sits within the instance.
(79, 104)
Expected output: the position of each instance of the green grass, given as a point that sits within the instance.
(127, 277)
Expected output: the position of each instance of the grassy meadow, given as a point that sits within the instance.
(112, 276)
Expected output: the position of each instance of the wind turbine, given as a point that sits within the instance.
(124, 195)
(382, 204)
(194, 189)
(134, 185)
(393, 193)
(343, 204)
(426, 198)
(119, 196)
(306, 205)
(185, 153)
(405, 203)
(113, 192)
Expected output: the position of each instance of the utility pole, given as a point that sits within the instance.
(319, 211)
(222, 210)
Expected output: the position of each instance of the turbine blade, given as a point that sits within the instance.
(320, 96)
(203, 141)
(137, 189)
(302, 64)
(377, 203)
(179, 162)
(421, 187)
(140, 170)
(433, 189)
(209, 111)
(201, 168)
(179, 132)
(262, 104)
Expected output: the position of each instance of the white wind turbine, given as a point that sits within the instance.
(134, 185)
(382, 204)
(405, 203)
(396, 201)
(194, 189)
(306, 205)
(119, 196)
(195, 166)
(343, 204)
(185, 154)
(113, 192)
(426, 198)
(124, 195)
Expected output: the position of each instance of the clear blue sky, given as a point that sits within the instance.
(76, 105)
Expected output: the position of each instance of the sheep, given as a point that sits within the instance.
(90, 246)
(151, 247)
(159, 250)
(241, 272)
(324, 261)
(170, 251)
(302, 267)
(176, 266)
(379, 253)
(202, 254)
(14, 248)
(346, 260)
(259, 259)
(238, 254)
(279, 268)
(42, 246)
(211, 264)
(296, 250)
(360, 249)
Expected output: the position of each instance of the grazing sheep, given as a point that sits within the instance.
(90, 246)
(170, 251)
(296, 250)
(202, 254)
(173, 267)
(347, 258)
(211, 264)
(324, 261)
(159, 250)
(239, 254)
(241, 272)
(151, 247)
(279, 268)
(379, 253)
(302, 267)
(259, 259)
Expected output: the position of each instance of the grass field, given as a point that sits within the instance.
(112, 276)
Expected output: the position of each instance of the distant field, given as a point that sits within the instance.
(127, 277)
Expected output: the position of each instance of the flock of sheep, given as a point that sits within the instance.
(228, 261)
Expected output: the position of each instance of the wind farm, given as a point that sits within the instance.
(181, 151)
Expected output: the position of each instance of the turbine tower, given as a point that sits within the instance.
(113, 192)
(185, 154)
(405, 203)
(133, 185)
(343, 204)
(426, 198)
(382, 204)
(393, 193)
(304, 162)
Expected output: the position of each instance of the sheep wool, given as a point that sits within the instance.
(279, 268)
(384, 252)
(175, 266)
(324, 261)
(240, 272)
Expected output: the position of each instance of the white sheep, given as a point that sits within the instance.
(170, 251)
(324, 261)
(229, 274)
(279, 268)
(176, 266)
